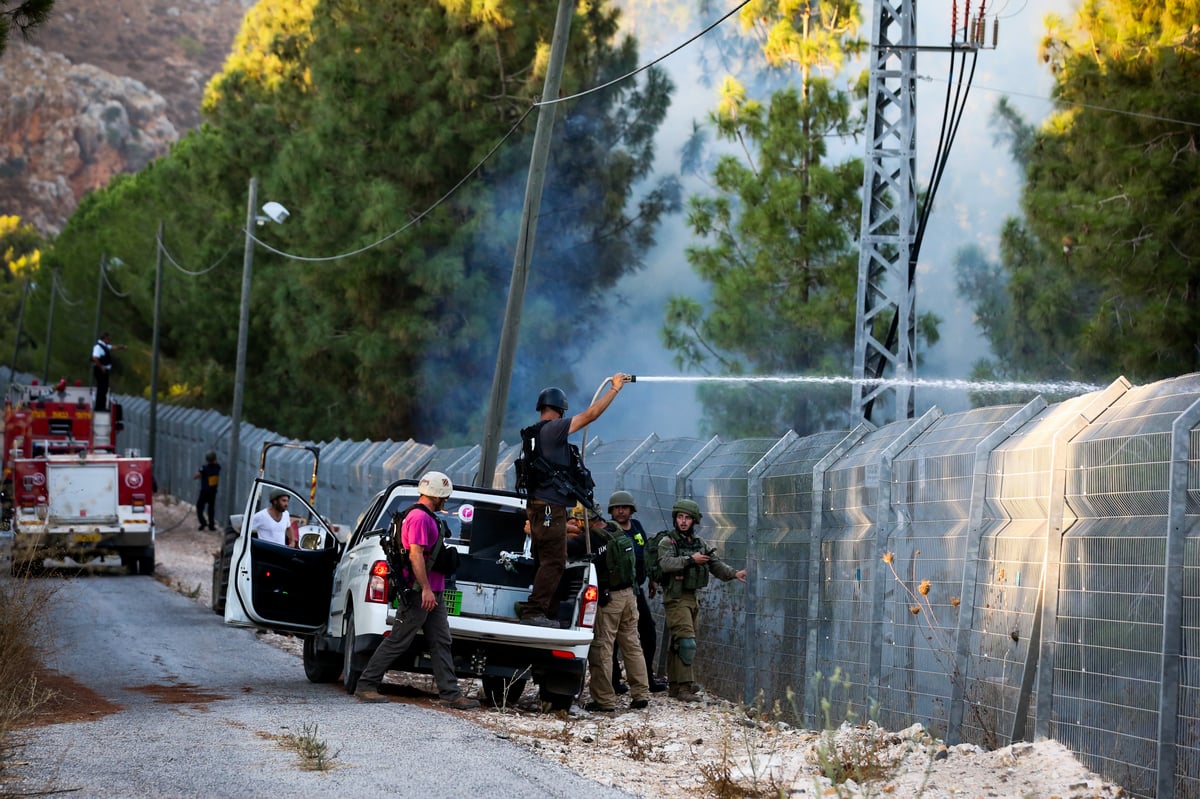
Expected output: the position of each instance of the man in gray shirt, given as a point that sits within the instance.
(547, 507)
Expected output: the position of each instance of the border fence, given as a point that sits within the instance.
(1005, 573)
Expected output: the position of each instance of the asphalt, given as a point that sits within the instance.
(205, 706)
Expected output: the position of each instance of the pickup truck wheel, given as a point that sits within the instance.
(554, 701)
(500, 692)
(320, 666)
(350, 672)
(220, 576)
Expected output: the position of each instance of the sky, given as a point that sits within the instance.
(981, 187)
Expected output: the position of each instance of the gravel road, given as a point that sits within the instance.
(202, 704)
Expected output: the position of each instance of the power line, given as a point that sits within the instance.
(513, 129)
(644, 67)
(171, 259)
(1089, 106)
(414, 220)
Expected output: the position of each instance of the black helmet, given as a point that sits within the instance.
(552, 398)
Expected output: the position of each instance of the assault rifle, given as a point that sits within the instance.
(542, 472)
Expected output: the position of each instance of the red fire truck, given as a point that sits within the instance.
(73, 495)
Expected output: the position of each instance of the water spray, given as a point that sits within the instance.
(979, 386)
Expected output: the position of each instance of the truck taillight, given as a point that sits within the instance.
(139, 503)
(591, 601)
(377, 583)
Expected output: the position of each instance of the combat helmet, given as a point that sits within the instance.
(689, 507)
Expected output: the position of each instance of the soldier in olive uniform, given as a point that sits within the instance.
(617, 617)
(686, 562)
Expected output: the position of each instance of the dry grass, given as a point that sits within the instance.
(23, 622)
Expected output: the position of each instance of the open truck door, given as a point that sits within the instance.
(282, 587)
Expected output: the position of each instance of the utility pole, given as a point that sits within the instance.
(158, 276)
(239, 378)
(502, 380)
(50, 325)
(99, 303)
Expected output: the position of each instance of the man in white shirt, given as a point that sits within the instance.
(273, 523)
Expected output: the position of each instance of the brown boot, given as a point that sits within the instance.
(673, 689)
(685, 695)
(367, 695)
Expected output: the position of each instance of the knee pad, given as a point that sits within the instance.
(687, 650)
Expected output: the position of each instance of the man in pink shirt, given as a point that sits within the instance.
(420, 533)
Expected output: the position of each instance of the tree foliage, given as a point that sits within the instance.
(778, 232)
(1102, 273)
(361, 117)
(22, 17)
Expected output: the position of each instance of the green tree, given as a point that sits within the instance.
(1103, 273)
(359, 116)
(779, 231)
(24, 16)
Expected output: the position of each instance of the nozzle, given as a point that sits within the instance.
(630, 378)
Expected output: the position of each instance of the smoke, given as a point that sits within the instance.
(980, 189)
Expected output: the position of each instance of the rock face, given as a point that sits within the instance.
(109, 86)
(68, 129)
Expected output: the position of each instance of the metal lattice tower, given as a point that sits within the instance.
(886, 292)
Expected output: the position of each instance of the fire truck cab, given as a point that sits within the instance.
(73, 495)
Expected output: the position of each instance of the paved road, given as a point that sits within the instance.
(129, 638)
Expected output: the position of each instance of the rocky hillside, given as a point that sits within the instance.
(104, 88)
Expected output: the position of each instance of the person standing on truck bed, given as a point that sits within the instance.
(547, 507)
(419, 534)
(209, 475)
(102, 364)
(273, 523)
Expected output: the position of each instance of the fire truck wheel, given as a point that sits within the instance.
(145, 562)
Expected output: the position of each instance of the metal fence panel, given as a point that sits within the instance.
(1082, 648)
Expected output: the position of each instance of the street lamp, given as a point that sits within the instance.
(275, 213)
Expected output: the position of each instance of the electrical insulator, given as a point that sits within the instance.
(995, 32)
(953, 20)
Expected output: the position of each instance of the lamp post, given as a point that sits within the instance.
(276, 213)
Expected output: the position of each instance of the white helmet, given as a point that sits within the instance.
(435, 484)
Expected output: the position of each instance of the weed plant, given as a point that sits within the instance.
(314, 753)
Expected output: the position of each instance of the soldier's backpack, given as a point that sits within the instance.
(619, 557)
(653, 567)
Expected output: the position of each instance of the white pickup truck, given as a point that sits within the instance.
(334, 594)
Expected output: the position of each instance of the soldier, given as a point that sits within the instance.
(686, 561)
(621, 508)
(617, 617)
